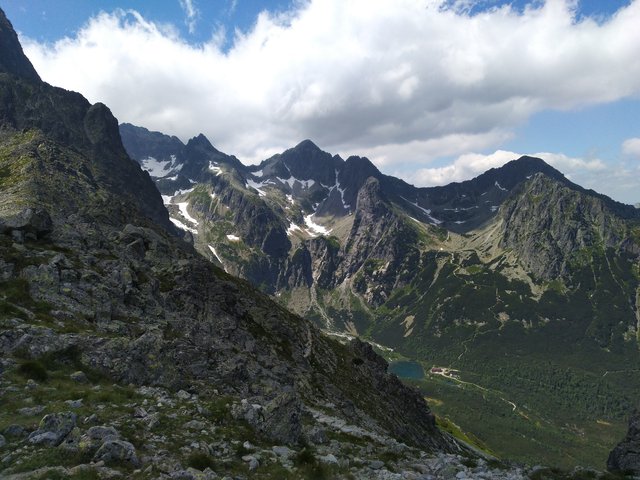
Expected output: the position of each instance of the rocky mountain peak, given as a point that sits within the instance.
(12, 59)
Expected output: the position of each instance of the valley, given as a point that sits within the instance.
(521, 280)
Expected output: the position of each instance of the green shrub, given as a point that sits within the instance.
(34, 370)
(200, 461)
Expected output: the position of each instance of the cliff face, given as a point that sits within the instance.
(547, 224)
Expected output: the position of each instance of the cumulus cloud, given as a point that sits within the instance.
(631, 147)
(191, 12)
(404, 81)
(471, 165)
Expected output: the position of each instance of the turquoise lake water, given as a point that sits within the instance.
(405, 369)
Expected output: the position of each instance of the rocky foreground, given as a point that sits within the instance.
(79, 426)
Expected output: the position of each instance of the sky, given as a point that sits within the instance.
(432, 91)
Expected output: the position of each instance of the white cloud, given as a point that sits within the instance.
(471, 165)
(631, 147)
(404, 81)
(191, 12)
(619, 182)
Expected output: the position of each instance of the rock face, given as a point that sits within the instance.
(12, 58)
(625, 457)
(547, 222)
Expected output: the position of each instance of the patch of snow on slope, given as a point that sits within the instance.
(182, 226)
(156, 168)
(257, 187)
(233, 238)
(500, 187)
(291, 200)
(341, 190)
(494, 208)
(313, 228)
(434, 221)
(215, 254)
(183, 210)
(292, 228)
(168, 199)
(215, 168)
(291, 181)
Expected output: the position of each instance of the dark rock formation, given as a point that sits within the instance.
(625, 457)
(12, 58)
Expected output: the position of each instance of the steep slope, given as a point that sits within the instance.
(92, 279)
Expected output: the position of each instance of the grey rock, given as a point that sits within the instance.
(376, 464)
(31, 222)
(329, 459)
(625, 457)
(53, 428)
(283, 452)
(3, 441)
(96, 436)
(74, 403)
(15, 431)
(317, 436)
(79, 377)
(117, 451)
(194, 425)
(283, 419)
(31, 411)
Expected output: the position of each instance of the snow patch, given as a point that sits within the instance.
(156, 168)
(292, 228)
(291, 181)
(313, 228)
(494, 208)
(168, 199)
(215, 168)
(291, 200)
(182, 226)
(233, 238)
(341, 190)
(183, 210)
(215, 254)
(257, 187)
(500, 187)
(434, 221)
(460, 222)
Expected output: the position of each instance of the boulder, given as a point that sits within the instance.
(53, 429)
(625, 457)
(32, 222)
(117, 451)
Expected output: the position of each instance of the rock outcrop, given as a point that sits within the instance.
(625, 457)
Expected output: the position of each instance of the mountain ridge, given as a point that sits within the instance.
(443, 274)
(140, 357)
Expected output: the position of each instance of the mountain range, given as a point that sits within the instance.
(523, 282)
(130, 348)
(125, 353)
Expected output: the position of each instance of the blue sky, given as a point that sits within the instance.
(431, 90)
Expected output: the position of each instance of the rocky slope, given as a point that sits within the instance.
(141, 358)
(516, 270)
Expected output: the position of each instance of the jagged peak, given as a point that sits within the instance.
(307, 145)
(200, 140)
(12, 58)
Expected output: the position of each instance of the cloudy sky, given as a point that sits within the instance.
(432, 91)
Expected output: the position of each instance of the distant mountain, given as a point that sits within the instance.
(124, 352)
(515, 278)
